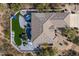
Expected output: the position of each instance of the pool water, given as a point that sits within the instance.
(28, 26)
(28, 30)
(14, 17)
(28, 17)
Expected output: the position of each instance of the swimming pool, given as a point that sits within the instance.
(28, 25)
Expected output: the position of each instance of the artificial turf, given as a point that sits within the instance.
(16, 28)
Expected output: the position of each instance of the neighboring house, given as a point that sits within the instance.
(74, 20)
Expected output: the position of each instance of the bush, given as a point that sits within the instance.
(76, 40)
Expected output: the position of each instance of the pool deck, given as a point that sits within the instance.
(22, 21)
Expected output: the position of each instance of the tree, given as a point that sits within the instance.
(70, 52)
(2, 7)
(46, 51)
(29, 54)
(15, 6)
(6, 24)
(45, 45)
(42, 7)
(69, 33)
(76, 40)
(52, 51)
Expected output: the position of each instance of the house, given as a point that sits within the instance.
(38, 19)
(44, 25)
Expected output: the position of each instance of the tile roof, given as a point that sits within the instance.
(38, 19)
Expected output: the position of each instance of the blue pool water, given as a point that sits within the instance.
(14, 17)
(28, 18)
(28, 26)
(28, 30)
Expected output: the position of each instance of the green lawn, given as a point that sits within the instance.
(16, 28)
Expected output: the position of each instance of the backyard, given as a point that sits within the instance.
(16, 29)
(21, 29)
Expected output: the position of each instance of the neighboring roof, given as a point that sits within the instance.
(74, 20)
